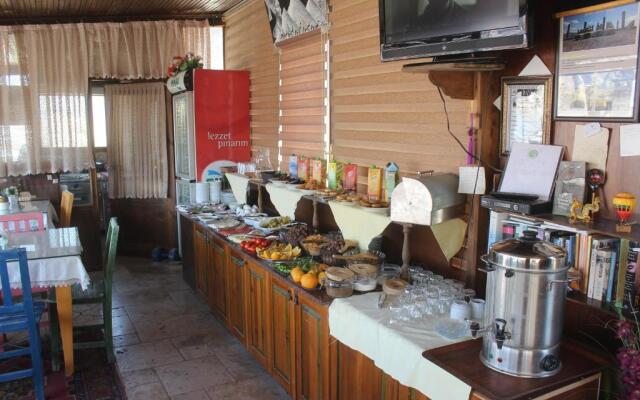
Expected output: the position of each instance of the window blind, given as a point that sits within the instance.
(380, 114)
(302, 96)
(248, 46)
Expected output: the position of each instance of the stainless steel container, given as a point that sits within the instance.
(526, 290)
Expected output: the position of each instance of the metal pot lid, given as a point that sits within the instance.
(528, 253)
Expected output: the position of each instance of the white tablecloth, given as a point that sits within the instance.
(397, 350)
(285, 200)
(238, 185)
(51, 272)
(358, 224)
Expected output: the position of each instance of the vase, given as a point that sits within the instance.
(13, 202)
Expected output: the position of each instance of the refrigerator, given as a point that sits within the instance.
(210, 129)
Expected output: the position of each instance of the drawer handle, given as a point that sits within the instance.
(217, 248)
(237, 261)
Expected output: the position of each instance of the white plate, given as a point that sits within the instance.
(308, 192)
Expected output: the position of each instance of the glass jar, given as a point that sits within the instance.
(365, 283)
(339, 289)
(388, 271)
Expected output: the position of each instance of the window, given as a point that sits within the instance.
(14, 138)
(99, 120)
(217, 47)
(63, 121)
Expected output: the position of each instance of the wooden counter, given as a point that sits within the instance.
(578, 378)
(285, 328)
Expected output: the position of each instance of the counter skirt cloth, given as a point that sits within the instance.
(51, 272)
(358, 224)
(397, 350)
(285, 200)
(239, 184)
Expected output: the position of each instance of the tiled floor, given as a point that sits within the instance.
(168, 345)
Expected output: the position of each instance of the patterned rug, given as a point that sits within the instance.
(94, 379)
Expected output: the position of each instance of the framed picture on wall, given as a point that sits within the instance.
(526, 111)
(597, 63)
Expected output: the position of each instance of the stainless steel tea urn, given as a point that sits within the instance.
(526, 290)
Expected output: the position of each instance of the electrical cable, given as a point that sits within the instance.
(478, 159)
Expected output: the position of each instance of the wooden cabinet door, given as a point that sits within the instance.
(201, 261)
(282, 335)
(187, 227)
(312, 350)
(218, 281)
(236, 298)
(256, 307)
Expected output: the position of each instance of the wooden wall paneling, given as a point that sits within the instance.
(248, 46)
(621, 172)
(380, 114)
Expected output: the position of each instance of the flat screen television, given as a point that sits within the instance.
(427, 28)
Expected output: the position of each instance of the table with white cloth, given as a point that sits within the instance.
(396, 349)
(49, 215)
(54, 262)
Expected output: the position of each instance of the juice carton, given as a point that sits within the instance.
(390, 180)
(303, 168)
(332, 174)
(350, 181)
(317, 171)
(293, 165)
(374, 182)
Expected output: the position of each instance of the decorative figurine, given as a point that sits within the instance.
(624, 204)
(586, 213)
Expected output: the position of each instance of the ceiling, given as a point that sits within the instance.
(22, 11)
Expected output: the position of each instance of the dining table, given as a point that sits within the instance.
(54, 262)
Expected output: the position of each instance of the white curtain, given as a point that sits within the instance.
(43, 99)
(144, 50)
(137, 151)
(44, 77)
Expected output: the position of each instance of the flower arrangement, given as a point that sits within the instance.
(11, 191)
(628, 331)
(184, 63)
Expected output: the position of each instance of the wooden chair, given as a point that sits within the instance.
(99, 292)
(20, 317)
(66, 206)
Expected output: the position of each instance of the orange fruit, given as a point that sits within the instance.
(309, 281)
(296, 274)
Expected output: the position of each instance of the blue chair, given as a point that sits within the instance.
(20, 317)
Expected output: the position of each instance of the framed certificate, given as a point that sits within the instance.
(526, 111)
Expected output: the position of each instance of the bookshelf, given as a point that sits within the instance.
(581, 298)
(600, 226)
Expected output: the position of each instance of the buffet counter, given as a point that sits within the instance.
(323, 349)
(396, 349)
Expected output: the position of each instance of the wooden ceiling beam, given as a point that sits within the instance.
(214, 19)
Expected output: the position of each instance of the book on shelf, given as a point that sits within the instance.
(623, 261)
(602, 264)
(631, 284)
